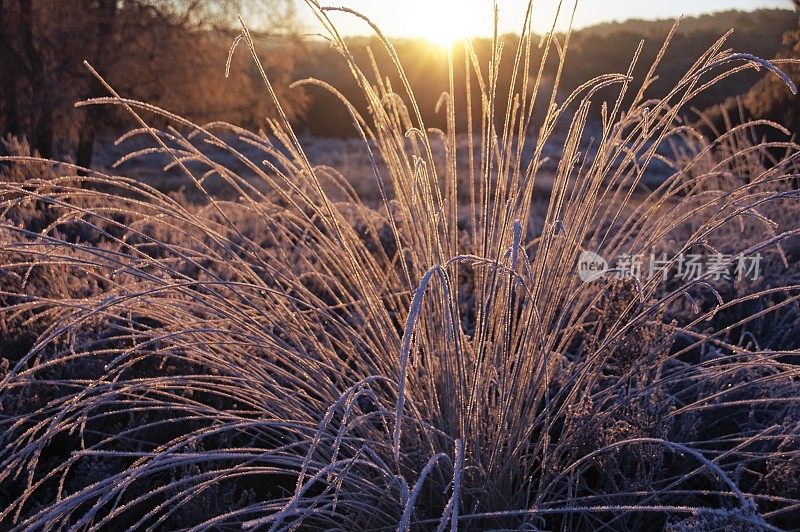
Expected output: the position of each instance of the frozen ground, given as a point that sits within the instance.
(348, 157)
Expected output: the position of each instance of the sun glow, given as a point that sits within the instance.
(448, 21)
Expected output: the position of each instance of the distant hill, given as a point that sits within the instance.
(596, 50)
(769, 99)
(763, 21)
(608, 47)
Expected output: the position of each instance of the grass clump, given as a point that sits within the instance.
(288, 360)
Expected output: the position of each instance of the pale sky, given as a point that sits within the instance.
(444, 20)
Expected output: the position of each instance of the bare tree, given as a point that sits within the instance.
(166, 52)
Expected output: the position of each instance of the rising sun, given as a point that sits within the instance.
(445, 22)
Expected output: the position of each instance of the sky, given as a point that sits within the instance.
(446, 20)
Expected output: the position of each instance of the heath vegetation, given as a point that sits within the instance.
(291, 356)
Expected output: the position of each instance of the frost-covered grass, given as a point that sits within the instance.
(290, 360)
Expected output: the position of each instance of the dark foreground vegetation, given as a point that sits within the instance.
(289, 360)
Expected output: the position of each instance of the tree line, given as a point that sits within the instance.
(173, 54)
